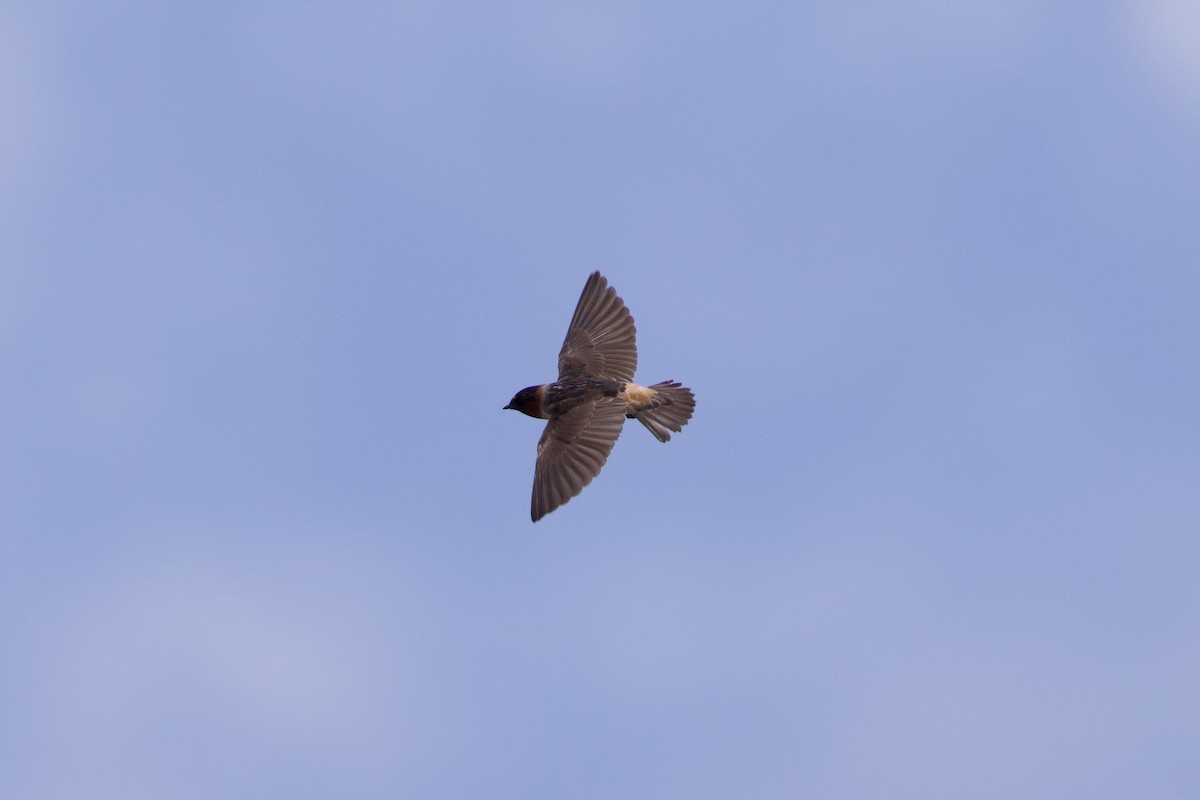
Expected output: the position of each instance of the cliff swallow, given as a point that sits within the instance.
(592, 398)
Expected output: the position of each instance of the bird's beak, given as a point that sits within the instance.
(508, 406)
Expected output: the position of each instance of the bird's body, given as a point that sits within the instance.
(594, 394)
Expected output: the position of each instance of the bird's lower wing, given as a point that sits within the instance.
(572, 450)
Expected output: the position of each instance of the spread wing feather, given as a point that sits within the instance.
(601, 339)
(572, 451)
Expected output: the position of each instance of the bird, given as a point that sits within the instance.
(587, 406)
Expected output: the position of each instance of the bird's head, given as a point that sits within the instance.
(528, 401)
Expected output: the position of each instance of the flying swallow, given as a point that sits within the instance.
(592, 398)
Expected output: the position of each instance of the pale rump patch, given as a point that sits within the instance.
(637, 396)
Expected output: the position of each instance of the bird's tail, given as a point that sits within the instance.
(662, 408)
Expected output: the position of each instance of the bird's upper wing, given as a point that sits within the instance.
(600, 340)
(573, 448)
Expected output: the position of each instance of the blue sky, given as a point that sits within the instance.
(268, 273)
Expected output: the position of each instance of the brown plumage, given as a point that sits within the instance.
(592, 398)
